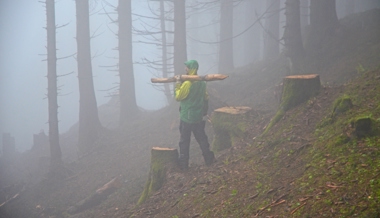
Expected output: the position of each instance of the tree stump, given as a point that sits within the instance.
(229, 124)
(363, 127)
(161, 159)
(342, 105)
(296, 90)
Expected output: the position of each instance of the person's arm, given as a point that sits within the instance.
(205, 106)
(182, 90)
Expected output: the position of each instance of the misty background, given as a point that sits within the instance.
(23, 82)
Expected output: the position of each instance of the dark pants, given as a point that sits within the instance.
(198, 129)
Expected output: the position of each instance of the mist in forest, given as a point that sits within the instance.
(23, 83)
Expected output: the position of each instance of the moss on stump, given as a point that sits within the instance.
(229, 124)
(342, 105)
(161, 159)
(296, 90)
(363, 127)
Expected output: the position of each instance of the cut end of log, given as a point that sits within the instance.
(234, 110)
(308, 76)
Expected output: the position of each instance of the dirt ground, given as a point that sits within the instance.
(232, 182)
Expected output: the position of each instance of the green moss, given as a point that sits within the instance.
(229, 128)
(280, 113)
(157, 173)
(341, 105)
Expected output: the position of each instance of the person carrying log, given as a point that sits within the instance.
(193, 99)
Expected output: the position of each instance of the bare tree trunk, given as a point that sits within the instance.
(89, 123)
(55, 149)
(252, 48)
(323, 20)
(272, 29)
(349, 7)
(180, 50)
(305, 13)
(167, 91)
(128, 105)
(292, 35)
(226, 60)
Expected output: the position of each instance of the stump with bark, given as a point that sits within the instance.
(296, 90)
(229, 124)
(161, 160)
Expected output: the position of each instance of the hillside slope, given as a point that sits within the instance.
(308, 165)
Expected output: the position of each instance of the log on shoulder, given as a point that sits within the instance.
(161, 159)
(208, 77)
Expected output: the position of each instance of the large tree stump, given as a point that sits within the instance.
(296, 90)
(229, 124)
(161, 159)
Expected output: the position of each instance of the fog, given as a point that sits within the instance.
(23, 83)
(23, 80)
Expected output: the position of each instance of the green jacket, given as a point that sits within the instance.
(193, 99)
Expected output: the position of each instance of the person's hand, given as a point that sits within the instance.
(177, 78)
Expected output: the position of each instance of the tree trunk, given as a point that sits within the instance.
(296, 90)
(323, 21)
(168, 93)
(180, 50)
(161, 160)
(252, 48)
(349, 7)
(226, 60)
(229, 124)
(305, 13)
(292, 35)
(89, 123)
(128, 105)
(55, 149)
(272, 29)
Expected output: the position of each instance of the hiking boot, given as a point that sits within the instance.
(210, 158)
(183, 164)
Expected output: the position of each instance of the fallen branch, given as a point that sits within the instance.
(13, 198)
(297, 208)
(100, 195)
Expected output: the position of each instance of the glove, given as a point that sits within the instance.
(178, 78)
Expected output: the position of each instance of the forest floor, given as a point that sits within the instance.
(308, 165)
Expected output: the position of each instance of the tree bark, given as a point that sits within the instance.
(229, 124)
(89, 123)
(180, 50)
(161, 160)
(272, 29)
(292, 35)
(128, 105)
(305, 13)
(252, 48)
(168, 93)
(55, 149)
(226, 60)
(323, 21)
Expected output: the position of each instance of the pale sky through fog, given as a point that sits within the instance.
(23, 82)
